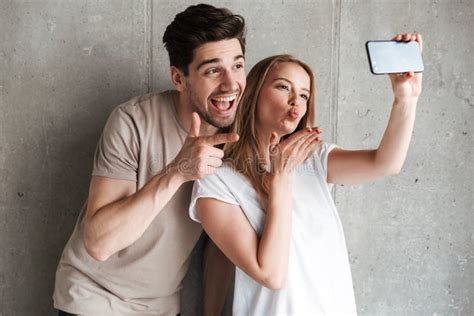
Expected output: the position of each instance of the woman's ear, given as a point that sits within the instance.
(178, 78)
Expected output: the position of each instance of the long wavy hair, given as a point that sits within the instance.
(244, 154)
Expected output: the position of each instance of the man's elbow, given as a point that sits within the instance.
(97, 254)
(94, 250)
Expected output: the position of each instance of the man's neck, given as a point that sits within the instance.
(184, 112)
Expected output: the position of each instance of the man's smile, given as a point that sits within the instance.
(222, 104)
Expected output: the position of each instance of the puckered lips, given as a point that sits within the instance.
(293, 114)
(223, 105)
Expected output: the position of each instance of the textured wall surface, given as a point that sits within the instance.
(65, 64)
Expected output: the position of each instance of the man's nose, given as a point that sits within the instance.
(229, 82)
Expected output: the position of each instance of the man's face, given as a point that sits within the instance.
(216, 81)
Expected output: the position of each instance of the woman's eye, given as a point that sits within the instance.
(304, 96)
(283, 86)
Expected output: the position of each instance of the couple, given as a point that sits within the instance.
(268, 208)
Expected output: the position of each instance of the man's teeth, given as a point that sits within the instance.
(225, 99)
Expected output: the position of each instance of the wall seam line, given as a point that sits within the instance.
(148, 45)
(334, 104)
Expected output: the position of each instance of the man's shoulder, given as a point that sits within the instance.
(155, 108)
(146, 102)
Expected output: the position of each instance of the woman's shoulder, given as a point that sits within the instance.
(317, 162)
(227, 176)
(321, 152)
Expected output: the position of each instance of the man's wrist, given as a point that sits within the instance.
(174, 175)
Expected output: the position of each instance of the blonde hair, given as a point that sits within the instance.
(244, 154)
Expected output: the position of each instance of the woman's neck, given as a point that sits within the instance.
(263, 138)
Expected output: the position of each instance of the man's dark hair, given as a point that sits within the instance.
(198, 25)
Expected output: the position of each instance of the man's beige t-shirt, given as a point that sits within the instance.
(140, 138)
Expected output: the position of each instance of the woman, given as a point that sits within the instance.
(269, 208)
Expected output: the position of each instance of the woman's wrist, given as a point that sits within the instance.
(405, 107)
(405, 101)
(277, 179)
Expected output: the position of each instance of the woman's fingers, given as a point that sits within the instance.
(274, 146)
(406, 37)
(299, 136)
(295, 138)
(419, 39)
(303, 141)
(311, 148)
(274, 138)
(291, 152)
(301, 152)
(300, 140)
(316, 138)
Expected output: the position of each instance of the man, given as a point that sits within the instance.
(131, 245)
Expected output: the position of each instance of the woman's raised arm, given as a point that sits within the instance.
(359, 166)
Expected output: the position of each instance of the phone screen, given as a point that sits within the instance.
(386, 57)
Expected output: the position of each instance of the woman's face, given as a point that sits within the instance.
(283, 99)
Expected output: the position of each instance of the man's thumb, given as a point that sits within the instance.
(195, 125)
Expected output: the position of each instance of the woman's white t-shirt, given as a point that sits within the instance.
(319, 276)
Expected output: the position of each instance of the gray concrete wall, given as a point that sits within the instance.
(65, 64)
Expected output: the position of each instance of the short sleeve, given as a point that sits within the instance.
(117, 153)
(210, 187)
(322, 155)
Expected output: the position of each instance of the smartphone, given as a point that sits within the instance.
(388, 57)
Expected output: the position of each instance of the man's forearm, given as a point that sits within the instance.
(393, 148)
(119, 224)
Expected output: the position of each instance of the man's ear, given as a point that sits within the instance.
(178, 78)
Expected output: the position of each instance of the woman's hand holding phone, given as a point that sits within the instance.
(407, 86)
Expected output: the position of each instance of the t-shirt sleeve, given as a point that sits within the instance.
(117, 153)
(211, 186)
(322, 155)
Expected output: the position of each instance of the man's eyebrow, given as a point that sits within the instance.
(216, 60)
(284, 79)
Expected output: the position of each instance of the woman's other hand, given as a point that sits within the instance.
(286, 155)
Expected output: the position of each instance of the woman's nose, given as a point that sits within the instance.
(293, 101)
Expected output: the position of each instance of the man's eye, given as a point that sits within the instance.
(212, 71)
(239, 66)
